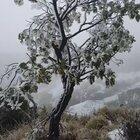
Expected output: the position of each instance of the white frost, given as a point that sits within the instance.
(115, 135)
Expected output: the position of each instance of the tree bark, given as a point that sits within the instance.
(58, 111)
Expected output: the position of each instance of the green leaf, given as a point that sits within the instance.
(132, 15)
(91, 79)
(105, 14)
(101, 73)
(26, 87)
(137, 17)
(23, 66)
(0, 89)
(34, 88)
(94, 9)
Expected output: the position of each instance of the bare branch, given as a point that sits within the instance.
(60, 24)
(15, 74)
(84, 42)
(69, 9)
(8, 71)
(69, 55)
(82, 30)
(78, 56)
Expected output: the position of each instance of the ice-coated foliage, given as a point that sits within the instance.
(103, 20)
(19, 2)
(52, 49)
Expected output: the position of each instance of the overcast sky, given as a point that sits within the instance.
(13, 20)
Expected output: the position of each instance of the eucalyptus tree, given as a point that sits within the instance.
(76, 39)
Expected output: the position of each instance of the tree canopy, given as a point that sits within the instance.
(50, 38)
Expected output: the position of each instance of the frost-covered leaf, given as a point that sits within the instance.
(19, 2)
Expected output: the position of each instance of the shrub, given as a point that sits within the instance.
(11, 118)
(83, 120)
(113, 115)
(86, 134)
(17, 134)
(68, 136)
(38, 133)
(97, 122)
(106, 113)
(131, 126)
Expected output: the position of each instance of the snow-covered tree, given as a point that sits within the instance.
(52, 49)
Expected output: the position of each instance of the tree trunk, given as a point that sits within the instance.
(58, 111)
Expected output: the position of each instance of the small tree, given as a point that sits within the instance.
(52, 49)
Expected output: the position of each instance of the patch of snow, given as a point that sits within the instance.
(90, 106)
(115, 135)
(85, 108)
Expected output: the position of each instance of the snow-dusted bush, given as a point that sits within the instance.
(11, 118)
(97, 123)
(131, 126)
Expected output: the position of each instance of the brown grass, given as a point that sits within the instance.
(17, 134)
(95, 127)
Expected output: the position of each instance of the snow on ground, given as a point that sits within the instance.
(115, 135)
(85, 108)
(88, 107)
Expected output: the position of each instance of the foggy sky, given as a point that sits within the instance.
(13, 20)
